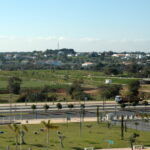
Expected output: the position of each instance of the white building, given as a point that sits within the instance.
(108, 81)
(86, 64)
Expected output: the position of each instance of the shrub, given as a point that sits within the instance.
(134, 103)
(145, 102)
(22, 98)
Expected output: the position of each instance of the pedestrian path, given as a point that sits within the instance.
(148, 148)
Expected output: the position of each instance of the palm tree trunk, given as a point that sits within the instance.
(122, 127)
(48, 141)
(131, 146)
(16, 139)
(61, 142)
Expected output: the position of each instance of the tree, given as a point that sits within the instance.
(18, 130)
(70, 106)
(46, 107)
(14, 85)
(48, 126)
(133, 87)
(59, 105)
(37, 96)
(61, 138)
(122, 127)
(15, 128)
(33, 107)
(109, 91)
(22, 133)
(122, 106)
(75, 90)
(132, 139)
(111, 70)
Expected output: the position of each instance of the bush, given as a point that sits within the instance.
(37, 96)
(134, 103)
(123, 105)
(52, 98)
(145, 102)
(22, 98)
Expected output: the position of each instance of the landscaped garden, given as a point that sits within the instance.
(91, 135)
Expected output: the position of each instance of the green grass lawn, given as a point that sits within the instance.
(41, 78)
(94, 137)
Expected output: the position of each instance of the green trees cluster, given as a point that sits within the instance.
(133, 89)
(33, 96)
(14, 84)
(76, 91)
(109, 91)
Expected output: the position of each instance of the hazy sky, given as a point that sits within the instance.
(85, 25)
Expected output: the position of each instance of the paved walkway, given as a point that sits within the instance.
(57, 120)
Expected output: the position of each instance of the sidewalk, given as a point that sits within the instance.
(147, 148)
(56, 120)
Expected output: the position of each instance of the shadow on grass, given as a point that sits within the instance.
(77, 148)
(37, 145)
(91, 142)
(98, 147)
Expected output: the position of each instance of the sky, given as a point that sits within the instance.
(85, 25)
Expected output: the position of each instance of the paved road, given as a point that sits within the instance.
(24, 112)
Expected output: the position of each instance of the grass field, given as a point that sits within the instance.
(59, 79)
(94, 137)
(39, 78)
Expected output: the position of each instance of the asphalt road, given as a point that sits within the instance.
(24, 112)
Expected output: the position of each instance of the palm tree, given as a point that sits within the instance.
(15, 128)
(48, 125)
(61, 138)
(132, 139)
(18, 131)
(22, 133)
